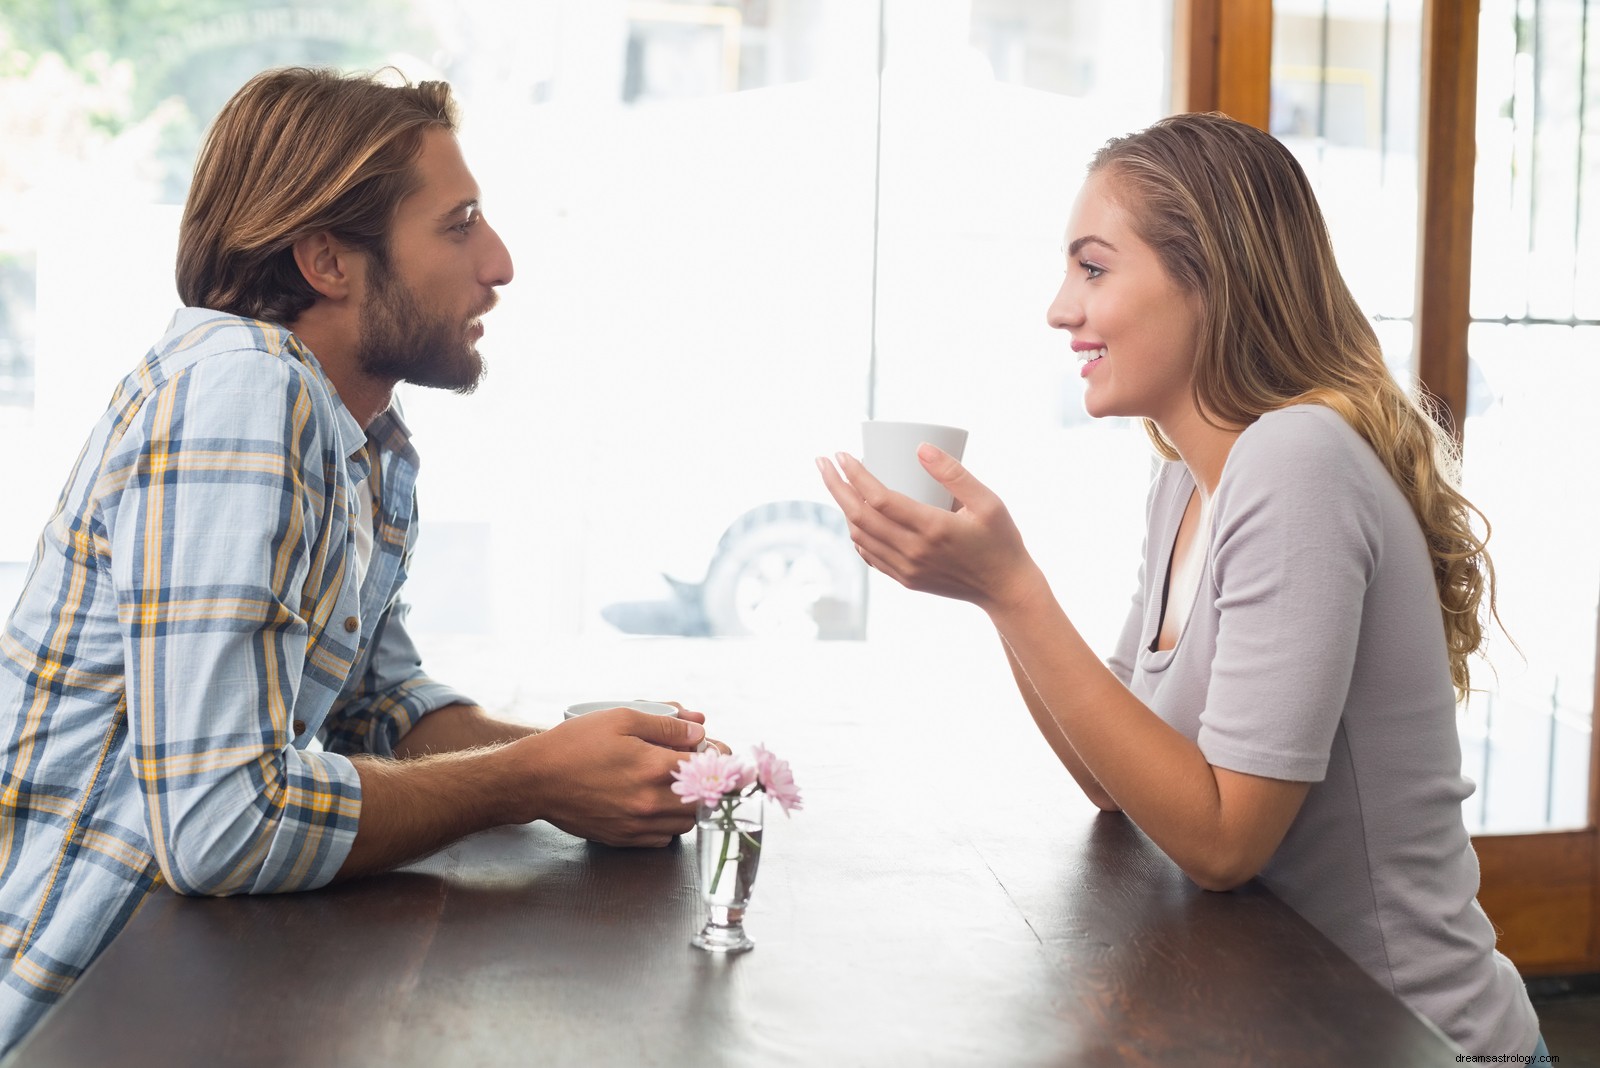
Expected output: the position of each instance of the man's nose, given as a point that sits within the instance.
(497, 268)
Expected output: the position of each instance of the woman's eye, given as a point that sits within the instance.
(1091, 270)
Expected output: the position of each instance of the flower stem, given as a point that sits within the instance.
(726, 826)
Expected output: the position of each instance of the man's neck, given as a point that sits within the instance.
(334, 343)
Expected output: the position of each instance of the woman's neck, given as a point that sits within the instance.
(1203, 446)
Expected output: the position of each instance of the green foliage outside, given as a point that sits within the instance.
(179, 60)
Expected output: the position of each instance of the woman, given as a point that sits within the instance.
(1282, 700)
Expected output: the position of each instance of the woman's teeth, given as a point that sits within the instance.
(1088, 355)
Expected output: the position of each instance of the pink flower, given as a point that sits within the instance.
(705, 778)
(777, 780)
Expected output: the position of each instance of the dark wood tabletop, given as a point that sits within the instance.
(935, 903)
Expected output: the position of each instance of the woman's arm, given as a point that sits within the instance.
(1056, 737)
(1219, 826)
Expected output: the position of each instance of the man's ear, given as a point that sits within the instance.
(325, 262)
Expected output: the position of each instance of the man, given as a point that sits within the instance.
(219, 584)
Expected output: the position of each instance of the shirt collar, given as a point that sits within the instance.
(352, 439)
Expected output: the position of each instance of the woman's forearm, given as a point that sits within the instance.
(1054, 735)
(1219, 827)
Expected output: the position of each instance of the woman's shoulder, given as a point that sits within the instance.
(1305, 440)
(1305, 452)
(1315, 426)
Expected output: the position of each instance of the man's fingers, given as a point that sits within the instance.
(668, 731)
(686, 713)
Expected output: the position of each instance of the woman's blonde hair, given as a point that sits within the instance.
(296, 152)
(1233, 218)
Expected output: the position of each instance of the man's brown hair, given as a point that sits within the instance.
(297, 152)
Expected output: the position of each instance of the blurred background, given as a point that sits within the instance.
(741, 227)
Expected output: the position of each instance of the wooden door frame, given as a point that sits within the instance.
(1222, 58)
(1542, 891)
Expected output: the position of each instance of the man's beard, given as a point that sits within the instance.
(401, 340)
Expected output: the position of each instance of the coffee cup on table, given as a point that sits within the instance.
(889, 452)
(654, 708)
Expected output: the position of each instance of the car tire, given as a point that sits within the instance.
(786, 569)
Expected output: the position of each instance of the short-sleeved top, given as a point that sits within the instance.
(1315, 652)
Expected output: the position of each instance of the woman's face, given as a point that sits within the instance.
(1133, 328)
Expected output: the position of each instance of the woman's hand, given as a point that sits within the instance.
(973, 554)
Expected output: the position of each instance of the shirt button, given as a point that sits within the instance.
(299, 727)
(351, 624)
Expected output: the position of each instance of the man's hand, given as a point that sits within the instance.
(698, 717)
(607, 776)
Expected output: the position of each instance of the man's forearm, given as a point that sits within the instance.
(455, 728)
(411, 808)
(606, 776)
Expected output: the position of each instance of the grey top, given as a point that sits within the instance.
(1315, 652)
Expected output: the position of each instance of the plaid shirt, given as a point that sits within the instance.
(185, 631)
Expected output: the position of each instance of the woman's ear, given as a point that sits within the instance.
(325, 262)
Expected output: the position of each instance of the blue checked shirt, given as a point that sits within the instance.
(185, 631)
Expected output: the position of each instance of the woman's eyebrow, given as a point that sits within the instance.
(1077, 246)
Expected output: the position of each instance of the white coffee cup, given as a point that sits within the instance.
(655, 708)
(889, 451)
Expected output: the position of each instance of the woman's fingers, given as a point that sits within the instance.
(953, 476)
(878, 535)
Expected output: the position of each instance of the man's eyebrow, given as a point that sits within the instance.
(1077, 246)
(471, 204)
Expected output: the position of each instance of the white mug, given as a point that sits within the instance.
(889, 451)
(655, 708)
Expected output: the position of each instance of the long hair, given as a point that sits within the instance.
(1231, 215)
(297, 152)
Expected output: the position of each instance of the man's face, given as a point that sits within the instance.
(424, 301)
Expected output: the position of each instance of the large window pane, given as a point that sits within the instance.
(991, 111)
(1346, 78)
(733, 241)
(1530, 423)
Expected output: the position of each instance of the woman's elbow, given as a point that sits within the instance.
(1221, 875)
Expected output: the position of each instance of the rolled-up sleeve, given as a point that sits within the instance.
(210, 507)
(390, 696)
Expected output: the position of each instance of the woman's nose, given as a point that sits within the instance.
(1064, 311)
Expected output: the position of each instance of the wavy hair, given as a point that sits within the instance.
(299, 151)
(1230, 213)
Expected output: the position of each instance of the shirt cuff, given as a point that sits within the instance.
(321, 811)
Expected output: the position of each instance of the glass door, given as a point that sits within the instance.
(1346, 79)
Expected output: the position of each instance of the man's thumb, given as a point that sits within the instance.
(669, 731)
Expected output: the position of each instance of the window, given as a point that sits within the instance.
(1530, 425)
(1344, 98)
(733, 241)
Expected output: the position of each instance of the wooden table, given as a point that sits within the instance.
(955, 903)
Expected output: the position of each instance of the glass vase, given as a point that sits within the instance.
(729, 842)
